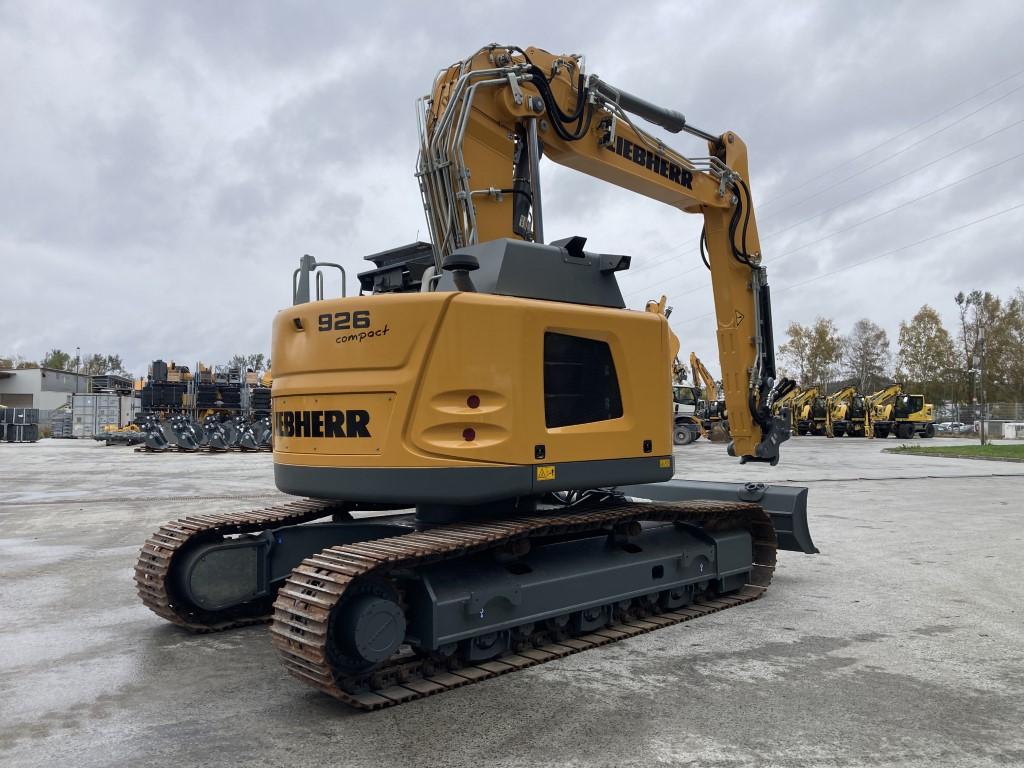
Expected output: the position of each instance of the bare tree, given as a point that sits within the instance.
(256, 362)
(866, 355)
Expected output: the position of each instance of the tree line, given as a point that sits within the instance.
(57, 359)
(99, 365)
(928, 358)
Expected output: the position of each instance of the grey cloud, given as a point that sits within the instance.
(183, 155)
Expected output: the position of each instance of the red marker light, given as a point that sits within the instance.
(469, 434)
(473, 401)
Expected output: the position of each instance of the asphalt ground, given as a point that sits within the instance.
(901, 644)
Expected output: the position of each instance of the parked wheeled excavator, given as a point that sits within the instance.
(809, 412)
(488, 456)
(846, 413)
(893, 411)
(785, 404)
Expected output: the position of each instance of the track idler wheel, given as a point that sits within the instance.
(367, 628)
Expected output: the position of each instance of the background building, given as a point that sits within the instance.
(44, 388)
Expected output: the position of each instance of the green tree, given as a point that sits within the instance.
(1015, 337)
(98, 365)
(983, 310)
(59, 360)
(865, 355)
(927, 359)
(813, 352)
(115, 365)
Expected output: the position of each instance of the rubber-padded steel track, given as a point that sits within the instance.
(301, 623)
(153, 568)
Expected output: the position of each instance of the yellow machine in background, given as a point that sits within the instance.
(808, 409)
(892, 411)
(701, 374)
(787, 405)
(711, 411)
(686, 427)
(846, 413)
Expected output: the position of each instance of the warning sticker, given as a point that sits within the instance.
(546, 473)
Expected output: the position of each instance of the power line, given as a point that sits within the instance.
(882, 255)
(670, 254)
(970, 145)
(871, 218)
(973, 143)
(900, 151)
(889, 140)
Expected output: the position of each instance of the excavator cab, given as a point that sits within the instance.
(908, 405)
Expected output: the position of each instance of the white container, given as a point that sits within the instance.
(1013, 430)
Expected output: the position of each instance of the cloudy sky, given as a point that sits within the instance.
(164, 165)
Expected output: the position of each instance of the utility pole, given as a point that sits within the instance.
(979, 362)
(78, 365)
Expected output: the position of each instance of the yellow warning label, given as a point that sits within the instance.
(545, 473)
(665, 463)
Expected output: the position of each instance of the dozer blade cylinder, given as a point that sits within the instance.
(786, 505)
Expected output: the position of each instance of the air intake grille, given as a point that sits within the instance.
(580, 385)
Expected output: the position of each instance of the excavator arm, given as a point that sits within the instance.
(483, 130)
(702, 374)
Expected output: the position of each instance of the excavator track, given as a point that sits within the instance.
(153, 567)
(300, 629)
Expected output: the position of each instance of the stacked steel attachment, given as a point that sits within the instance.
(216, 434)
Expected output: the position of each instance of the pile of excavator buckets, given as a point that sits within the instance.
(214, 434)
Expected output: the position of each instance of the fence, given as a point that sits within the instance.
(970, 412)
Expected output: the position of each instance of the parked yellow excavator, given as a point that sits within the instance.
(483, 442)
(786, 405)
(711, 409)
(808, 410)
(893, 411)
(686, 426)
(846, 413)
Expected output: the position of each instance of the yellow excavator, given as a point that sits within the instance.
(711, 410)
(786, 404)
(686, 426)
(808, 409)
(893, 411)
(486, 455)
(846, 413)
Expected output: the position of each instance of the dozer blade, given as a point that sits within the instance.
(786, 505)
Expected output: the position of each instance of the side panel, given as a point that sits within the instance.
(493, 347)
